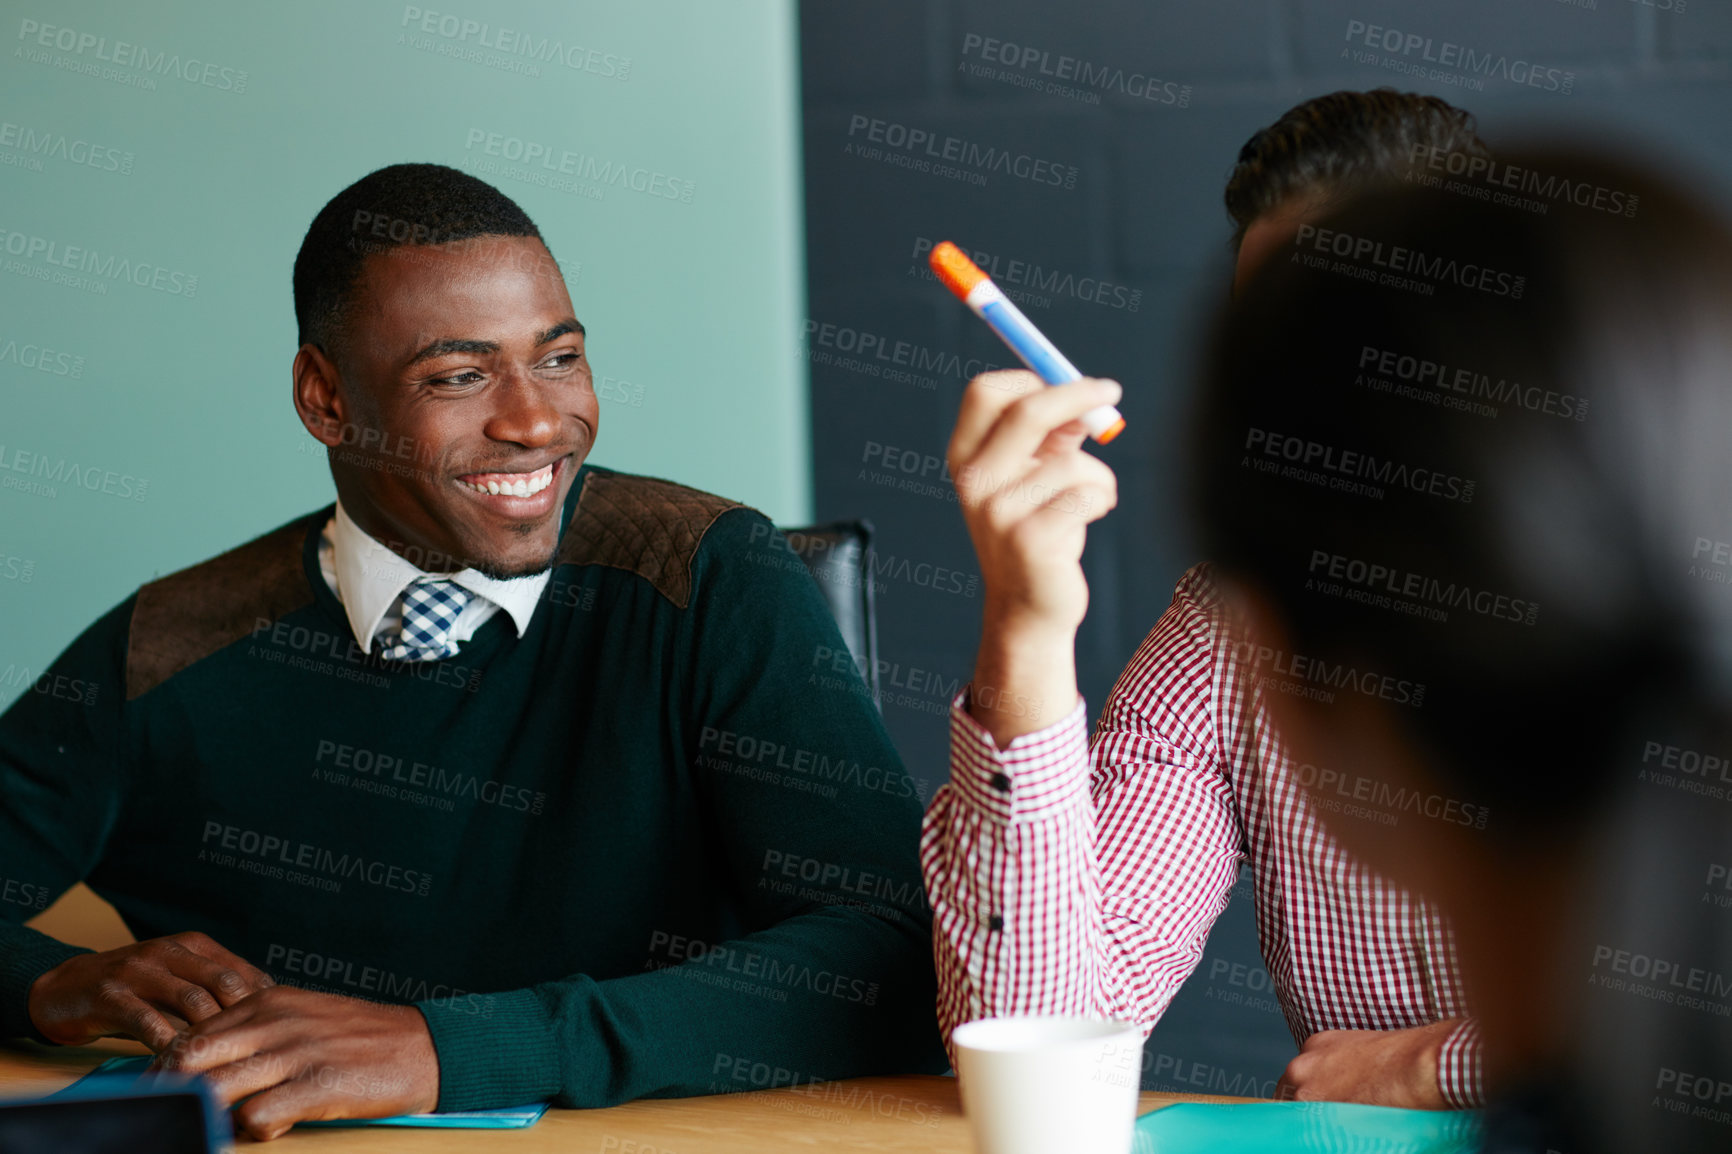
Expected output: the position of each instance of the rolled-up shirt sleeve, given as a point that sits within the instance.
(1459, 1078)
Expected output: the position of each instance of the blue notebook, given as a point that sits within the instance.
(1305, 1128)
(504, 1118)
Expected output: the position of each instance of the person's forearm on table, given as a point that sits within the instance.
(831, 994)
(25, 956)
(1431, 1067)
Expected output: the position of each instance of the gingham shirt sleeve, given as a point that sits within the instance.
(1061, 885)
(1459, 1078)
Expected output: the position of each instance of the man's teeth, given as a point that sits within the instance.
(513, 484)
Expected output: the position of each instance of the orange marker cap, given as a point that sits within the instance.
(954, 269)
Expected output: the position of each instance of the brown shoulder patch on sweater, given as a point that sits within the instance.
(189, 615)
(643, 525)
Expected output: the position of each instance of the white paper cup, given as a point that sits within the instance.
(1049, 1085)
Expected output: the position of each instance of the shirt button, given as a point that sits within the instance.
(1001, 783)
(995, 923)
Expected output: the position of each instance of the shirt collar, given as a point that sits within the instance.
(371, 577)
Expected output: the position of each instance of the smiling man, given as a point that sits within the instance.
(481, 786)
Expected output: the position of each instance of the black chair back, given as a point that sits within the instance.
(839, 555)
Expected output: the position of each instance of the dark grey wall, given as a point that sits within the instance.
(1136, 206)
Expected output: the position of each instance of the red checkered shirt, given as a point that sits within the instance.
(1070, 877)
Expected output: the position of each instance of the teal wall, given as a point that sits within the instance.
(198, 138)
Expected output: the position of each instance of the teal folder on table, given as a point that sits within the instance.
(505, 1118)
(1305, 1128)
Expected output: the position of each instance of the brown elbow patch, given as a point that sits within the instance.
(643, 525)
(187, 616)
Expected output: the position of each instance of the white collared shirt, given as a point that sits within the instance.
(368, 579)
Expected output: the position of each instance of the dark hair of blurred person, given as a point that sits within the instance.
(1554, 597)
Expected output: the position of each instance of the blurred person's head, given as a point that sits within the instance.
(1328, 148)
(442, 365)
(1467, 467)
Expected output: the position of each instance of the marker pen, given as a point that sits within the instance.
(964, 278)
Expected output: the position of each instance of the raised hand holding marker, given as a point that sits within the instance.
(976, 290)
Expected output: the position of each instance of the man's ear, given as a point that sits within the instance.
(318, 397)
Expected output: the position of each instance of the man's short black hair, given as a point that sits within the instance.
(1337, 144)
(403, 204)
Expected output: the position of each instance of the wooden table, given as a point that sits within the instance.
(917, 1112)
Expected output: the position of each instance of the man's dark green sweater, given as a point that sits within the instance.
(644, 843)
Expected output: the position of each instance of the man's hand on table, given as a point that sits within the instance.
(143, 991)
(1378, 1067)
(292, 1054)
(295, 1055)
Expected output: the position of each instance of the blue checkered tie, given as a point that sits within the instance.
(429, 608)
